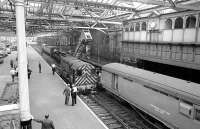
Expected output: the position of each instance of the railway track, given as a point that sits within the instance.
(115, 115)
(110, 111)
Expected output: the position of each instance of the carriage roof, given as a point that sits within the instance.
(183, 89)
(76, 63)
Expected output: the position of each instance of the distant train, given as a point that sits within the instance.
(174, 102)
(73, 70)
(53, 52)
(48, 49)
(78, 72)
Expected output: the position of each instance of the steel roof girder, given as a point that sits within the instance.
(3, 3)
(50, 8)
(90, 4)
(172, 3)
(104, 13)
(151, 2)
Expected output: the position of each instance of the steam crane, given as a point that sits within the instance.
(84, 43)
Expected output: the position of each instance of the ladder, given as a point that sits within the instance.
(79, 49)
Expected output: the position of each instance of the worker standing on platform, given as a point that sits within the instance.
(73, 94)
(14, 66)
(12, 72)
(40, 67)
(16, 71)
(53, 66)
(46, 123)
(11, 63)
(66, 92)
(29, 73)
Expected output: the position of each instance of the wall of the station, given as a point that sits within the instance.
(106, 45)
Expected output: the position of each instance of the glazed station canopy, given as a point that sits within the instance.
(53, 15)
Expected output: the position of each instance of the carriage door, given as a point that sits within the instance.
(115, 82)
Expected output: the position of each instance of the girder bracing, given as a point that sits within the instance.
(89, 11)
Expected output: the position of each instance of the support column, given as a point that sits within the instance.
(25, 115)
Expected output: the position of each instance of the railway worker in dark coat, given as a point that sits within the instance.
(11, 63)
(29, 73)
(40, 67)
(73, 94)
(46, 123)
(66, 92)
(53, 66)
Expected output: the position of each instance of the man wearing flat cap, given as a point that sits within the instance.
(66, 92)
(46, 123)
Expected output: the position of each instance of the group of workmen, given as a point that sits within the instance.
(70, 90)
(14, 70)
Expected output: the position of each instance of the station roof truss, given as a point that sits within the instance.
(59, 14)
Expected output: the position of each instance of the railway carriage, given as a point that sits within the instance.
(48, 49)
(174, 102)
(80, 73)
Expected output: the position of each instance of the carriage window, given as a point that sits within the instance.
(186, 108)
(114, 81)
(178, 23)
(144, 26)
(197, 114)
(168, 24)
(137, 27)
(191, 22)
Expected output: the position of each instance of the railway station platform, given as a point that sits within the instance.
(46, 97)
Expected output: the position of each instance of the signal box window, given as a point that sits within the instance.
(137, 27)
(132, 28)
(191, 22)
(168, 24)
(178, 23)
(144, 26)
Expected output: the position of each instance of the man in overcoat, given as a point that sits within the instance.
(66, 92)
(46, 123)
